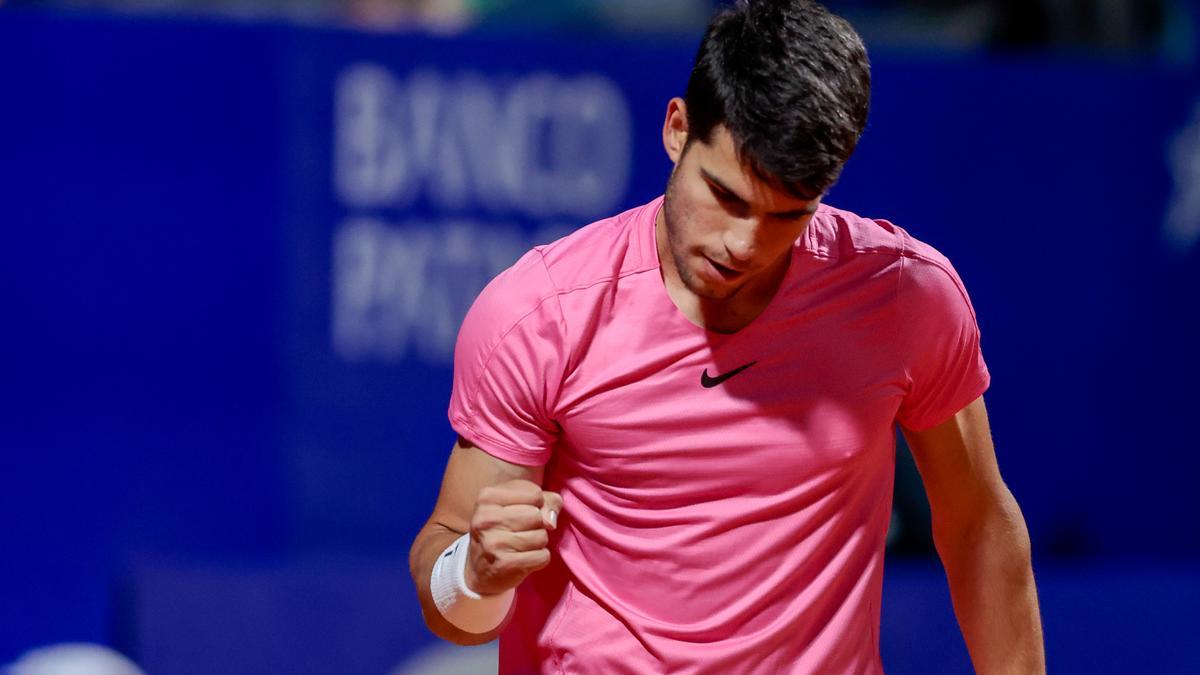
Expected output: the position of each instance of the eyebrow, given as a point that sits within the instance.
(716, 182)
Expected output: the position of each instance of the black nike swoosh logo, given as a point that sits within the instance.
(710, 382)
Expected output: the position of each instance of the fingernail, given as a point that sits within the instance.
(554, 519)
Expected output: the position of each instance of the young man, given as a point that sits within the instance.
(675, 426)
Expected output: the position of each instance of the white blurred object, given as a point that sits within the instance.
(447, 659)
(437, 16)
(1181, 231)
(73, 659)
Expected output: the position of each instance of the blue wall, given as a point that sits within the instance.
(139, 227)
(234, 258)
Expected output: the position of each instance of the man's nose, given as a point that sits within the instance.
(741, 241)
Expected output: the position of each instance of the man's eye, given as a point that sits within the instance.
(732, 205)
(727, 199)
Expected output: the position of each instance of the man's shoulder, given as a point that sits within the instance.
(926, 277)
(838, 233)
(605, 250)
(598, 253)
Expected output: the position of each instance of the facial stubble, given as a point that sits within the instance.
(675, 223)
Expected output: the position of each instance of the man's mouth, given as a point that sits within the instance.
(724, 272)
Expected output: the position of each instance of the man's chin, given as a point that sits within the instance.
(710, 292)
(709, 289)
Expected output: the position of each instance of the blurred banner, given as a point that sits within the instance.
(236, 257)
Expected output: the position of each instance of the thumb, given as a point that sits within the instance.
(552, 505)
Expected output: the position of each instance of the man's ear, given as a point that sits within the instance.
(675, 129)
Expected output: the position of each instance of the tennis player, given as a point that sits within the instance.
(676, 425)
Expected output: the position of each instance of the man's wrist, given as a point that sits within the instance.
(457, 603)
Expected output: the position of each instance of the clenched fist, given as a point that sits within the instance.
(510, 535)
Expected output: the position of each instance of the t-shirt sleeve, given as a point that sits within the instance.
(508, 365)
(940, 343)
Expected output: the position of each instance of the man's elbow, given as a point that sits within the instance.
(995, 529)
(443, 629)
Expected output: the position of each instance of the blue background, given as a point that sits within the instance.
(189, 470)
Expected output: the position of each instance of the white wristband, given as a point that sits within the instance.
(459, 604)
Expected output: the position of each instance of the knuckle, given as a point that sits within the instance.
(481, 521)
(507, 518)
(529, 491)
(508, 566)
(529, 514)
(487, 545)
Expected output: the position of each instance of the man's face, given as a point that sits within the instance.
(726, 226)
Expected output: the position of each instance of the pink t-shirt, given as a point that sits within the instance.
(731, 528)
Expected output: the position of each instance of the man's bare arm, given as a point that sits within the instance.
(981, 537)
(468, 471)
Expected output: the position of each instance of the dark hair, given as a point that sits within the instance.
(791, 82)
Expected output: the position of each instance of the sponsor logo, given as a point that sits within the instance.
(709, 382)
